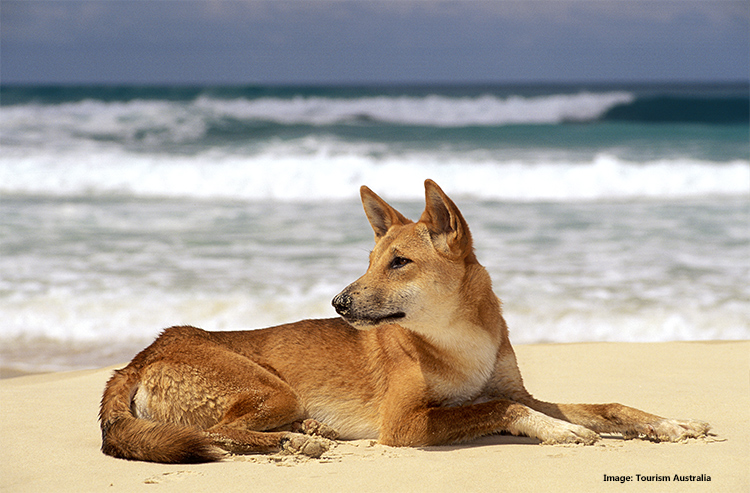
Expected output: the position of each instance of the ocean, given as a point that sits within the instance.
(603, 213)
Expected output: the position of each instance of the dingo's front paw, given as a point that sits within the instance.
(308, 445)
(671, 430)
(568, 433)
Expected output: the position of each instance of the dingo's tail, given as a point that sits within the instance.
(128, 437)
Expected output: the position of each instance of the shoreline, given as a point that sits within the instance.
(51, 438)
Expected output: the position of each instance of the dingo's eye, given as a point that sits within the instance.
(399, 262)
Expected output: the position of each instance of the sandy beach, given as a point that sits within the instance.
(50, 436)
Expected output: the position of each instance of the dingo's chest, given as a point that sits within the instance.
(469, 367)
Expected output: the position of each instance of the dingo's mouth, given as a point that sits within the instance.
(372, 321)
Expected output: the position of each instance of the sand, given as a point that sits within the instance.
(49, 436)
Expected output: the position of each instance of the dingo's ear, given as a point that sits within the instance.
(381, 215)
(447, 226)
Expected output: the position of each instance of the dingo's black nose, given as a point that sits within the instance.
(342, 302)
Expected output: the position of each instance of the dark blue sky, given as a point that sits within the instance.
(293, 42)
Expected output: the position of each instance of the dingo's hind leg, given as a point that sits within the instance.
(253, 442)
(241, 406)
(250, 426)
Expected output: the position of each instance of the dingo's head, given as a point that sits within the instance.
(421, 275)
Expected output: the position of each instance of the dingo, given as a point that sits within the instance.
(420, 356)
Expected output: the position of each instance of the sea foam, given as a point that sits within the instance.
(432, 110)
(275, 175)
(188, 119)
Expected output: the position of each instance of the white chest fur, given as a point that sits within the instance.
(471, 356)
